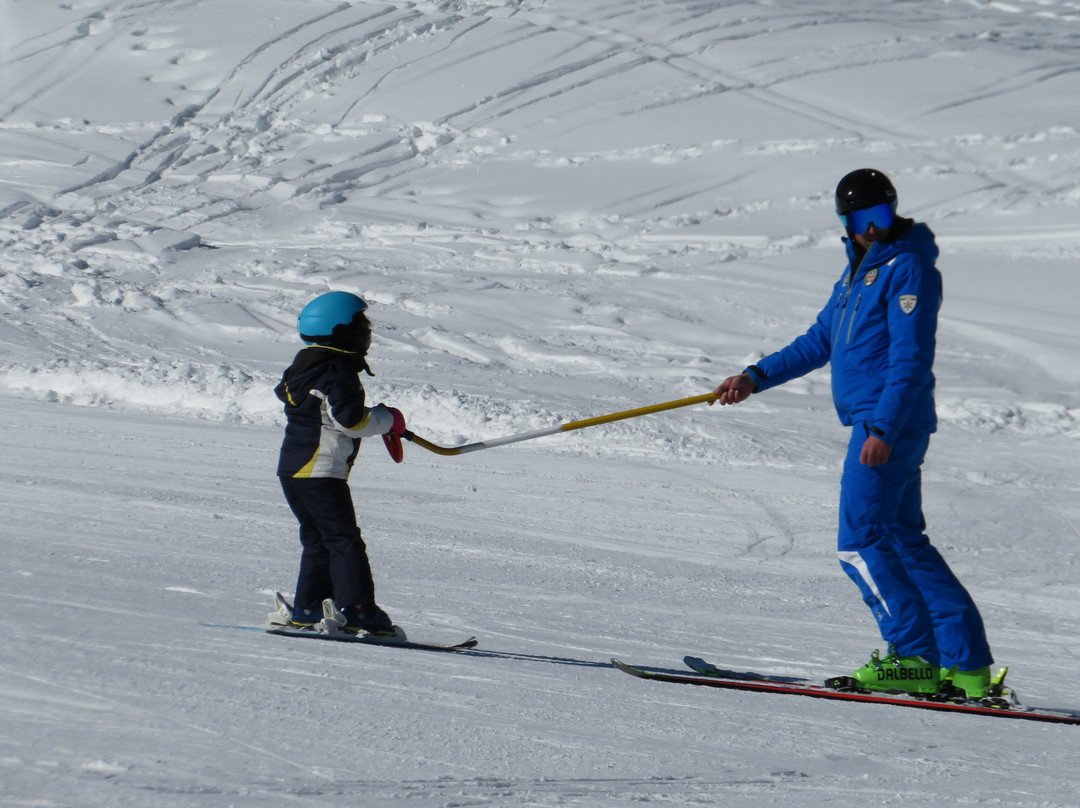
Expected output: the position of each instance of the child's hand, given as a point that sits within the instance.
(392, 437)
(398, 427)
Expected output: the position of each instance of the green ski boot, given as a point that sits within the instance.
(972, 684)
(905, 674)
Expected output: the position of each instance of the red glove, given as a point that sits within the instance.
(394, 447)
(398, 427)
(392, 438)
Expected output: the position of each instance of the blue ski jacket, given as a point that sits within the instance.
(326, 415)
(878, 333)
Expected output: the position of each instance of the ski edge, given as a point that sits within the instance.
(821, 692)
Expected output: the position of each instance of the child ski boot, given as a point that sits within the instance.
(285, 615)
(367, 620)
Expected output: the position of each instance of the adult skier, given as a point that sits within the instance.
(326, 418)
(878, 333)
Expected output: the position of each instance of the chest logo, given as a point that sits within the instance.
(871, 276)
(908, 303)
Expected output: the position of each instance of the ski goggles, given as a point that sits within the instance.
(859, 221)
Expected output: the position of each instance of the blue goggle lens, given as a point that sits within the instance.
(859, 221)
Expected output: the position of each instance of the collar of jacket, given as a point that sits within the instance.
(856, 254)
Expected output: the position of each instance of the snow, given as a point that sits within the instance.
(558, 210)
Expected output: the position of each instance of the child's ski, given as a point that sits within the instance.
(370, 639)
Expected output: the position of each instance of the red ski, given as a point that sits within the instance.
(760, 683)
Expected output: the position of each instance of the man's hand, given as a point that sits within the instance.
(875, 452)
(734, 389)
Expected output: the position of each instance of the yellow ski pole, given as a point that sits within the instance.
(567, 427)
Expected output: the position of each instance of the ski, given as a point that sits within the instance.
(394, 641)
(709, 669)
(761, 683)
(295, 631)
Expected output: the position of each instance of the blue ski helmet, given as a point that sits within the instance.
(336, 319)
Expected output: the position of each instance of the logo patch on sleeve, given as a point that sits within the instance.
(908, 303)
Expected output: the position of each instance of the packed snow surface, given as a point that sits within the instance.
(558, 209)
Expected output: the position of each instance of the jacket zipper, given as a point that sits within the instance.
(851, 322)
(847, 294)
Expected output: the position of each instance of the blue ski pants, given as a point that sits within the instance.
(919, 604)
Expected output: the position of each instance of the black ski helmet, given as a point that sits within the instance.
(337, 320)
(864, 188)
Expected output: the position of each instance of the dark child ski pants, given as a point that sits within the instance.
(334, 562)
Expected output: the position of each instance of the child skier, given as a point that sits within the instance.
(324, 405)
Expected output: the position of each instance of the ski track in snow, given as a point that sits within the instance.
(311, 118)
(557, 210)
